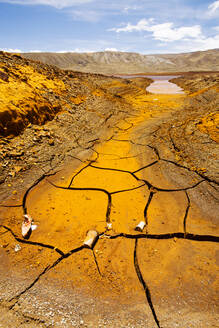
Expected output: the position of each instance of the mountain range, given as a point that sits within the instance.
(113, 62)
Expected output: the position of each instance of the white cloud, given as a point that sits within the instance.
(198, 43)
(111, 49)
(35, 50)
(10, 50)
(86, 15)
(165, 32)
(76, 50)
(213, 7)
(54, 3)
(142, 25)
(207, 43)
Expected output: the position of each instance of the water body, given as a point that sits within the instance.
(161, 84)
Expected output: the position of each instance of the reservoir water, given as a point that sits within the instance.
(160, 84)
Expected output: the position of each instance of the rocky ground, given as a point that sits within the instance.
(189, 138)
(149, 158)
(60, 114)
(193, 134)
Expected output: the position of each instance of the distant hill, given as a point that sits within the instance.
(110, 62)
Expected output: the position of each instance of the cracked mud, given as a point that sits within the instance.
(164, 276)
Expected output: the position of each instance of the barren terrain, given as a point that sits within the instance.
(116, 156)
(109, 62)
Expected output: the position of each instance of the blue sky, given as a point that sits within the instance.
(143, 26)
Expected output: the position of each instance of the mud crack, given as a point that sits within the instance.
(47, 269)
(33, 243)
(142, 183)
(166, 236)
(146, 288)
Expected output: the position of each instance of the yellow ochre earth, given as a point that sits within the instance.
(171, 267)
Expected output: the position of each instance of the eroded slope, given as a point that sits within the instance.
(46, 113)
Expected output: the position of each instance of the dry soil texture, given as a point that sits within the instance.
(142, 167)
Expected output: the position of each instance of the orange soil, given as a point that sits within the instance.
(209, 124)
(172, 268)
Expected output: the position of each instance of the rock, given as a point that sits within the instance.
(36, 139)
(18, 169)
(16, 154)
(3, 76)
(12, 174)
(24, 79)
(44, 134)
(38, 128)
(51, 142)
(17, 248)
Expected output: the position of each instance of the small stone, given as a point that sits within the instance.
(17, 248)
(16, 154)
(5, 245)
(17, 168)
(51, 142)
(109, 226)
(12, 174)
(3, 76)
(36, 139)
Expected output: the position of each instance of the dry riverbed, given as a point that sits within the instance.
(164, 276)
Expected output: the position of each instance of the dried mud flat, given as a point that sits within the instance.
(141, 168)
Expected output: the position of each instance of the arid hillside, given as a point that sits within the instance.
(110, 62)
(32, 92)
(192, 134)
(46, 112)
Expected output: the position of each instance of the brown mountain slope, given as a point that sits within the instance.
(110, 62)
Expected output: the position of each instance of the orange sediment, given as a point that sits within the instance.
(103, 191)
